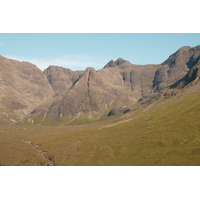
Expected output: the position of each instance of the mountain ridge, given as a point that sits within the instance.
(62, 95)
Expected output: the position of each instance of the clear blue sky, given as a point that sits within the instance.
(78, 51)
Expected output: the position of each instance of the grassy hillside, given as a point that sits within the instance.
(165, 133)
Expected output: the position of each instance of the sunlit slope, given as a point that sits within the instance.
(168, 133)
(15, 151)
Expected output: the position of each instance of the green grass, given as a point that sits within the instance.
(13, 151)
(167, 133)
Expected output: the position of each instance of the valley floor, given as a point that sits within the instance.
(165, 134)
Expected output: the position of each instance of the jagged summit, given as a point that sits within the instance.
(113, 63)
(120, 61)
(183, 54)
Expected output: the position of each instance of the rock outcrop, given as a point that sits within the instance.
(175, 67)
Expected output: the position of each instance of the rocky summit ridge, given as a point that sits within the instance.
(61, 95)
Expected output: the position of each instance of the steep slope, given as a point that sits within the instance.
(94, 94)
(115, 88)
(175, 67)
(23, 87)
(91, 95)
(138, 78)
(61, 78)
(191, 77)
(63, 95)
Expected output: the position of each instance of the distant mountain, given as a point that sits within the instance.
(62, 95)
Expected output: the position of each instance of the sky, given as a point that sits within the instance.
(78, 51)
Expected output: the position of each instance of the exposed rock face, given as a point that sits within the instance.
(118, 110)
(192, 76)
(90, 93)
(96, 92)
(61, 78)
(59, 93)
(119, 61)
(106, 91)
(23, 87)
(175, 67)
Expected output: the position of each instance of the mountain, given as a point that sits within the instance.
(59, 95)
(90, 94)
(94, 94)
(192, 76)
(176, 67)
(61, 78)
(23, 87)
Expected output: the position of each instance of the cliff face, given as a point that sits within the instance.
(175, 67)
(117, 86)
(90, 94)
(61, 78)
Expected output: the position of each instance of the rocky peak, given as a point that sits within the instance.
(120, 61)
(184, 48)
(113, 63)
(179, 53)
(197, 47)
(183, 55)
(90, 69)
